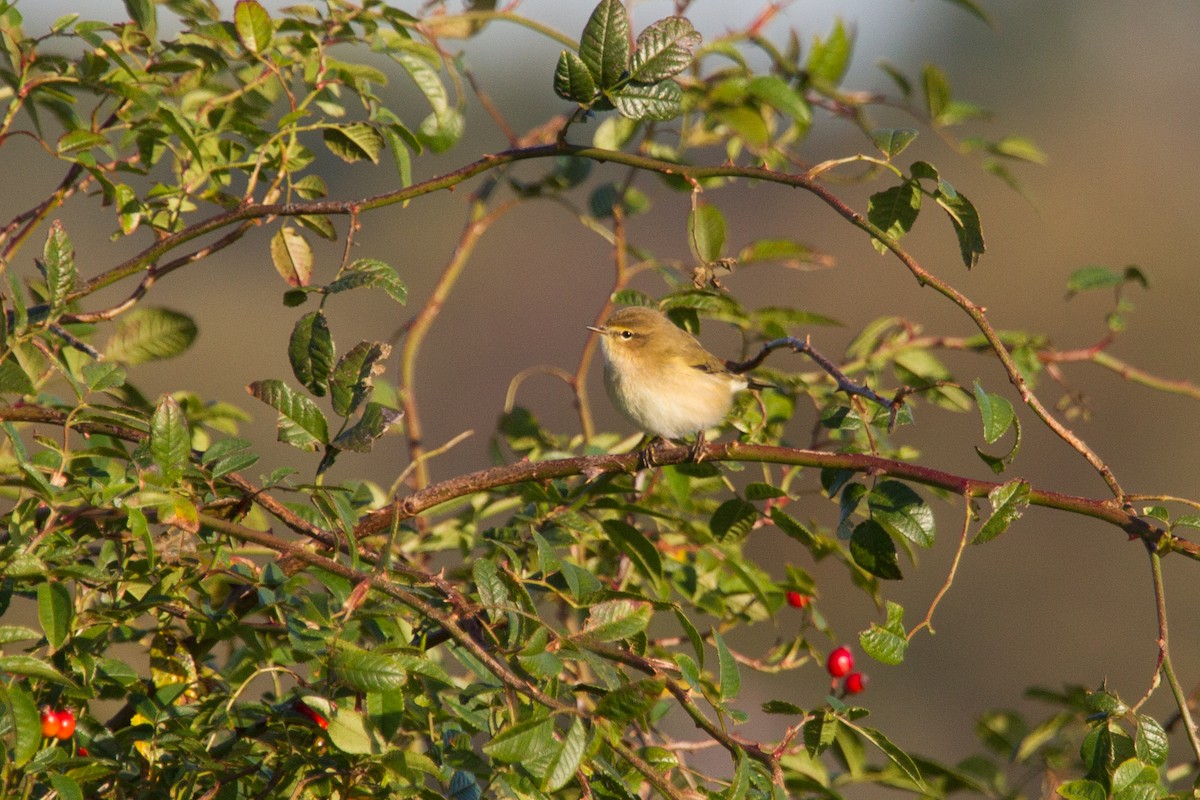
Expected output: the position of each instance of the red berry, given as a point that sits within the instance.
(51, 722)
(855, 683)
(840, 662)
(797, 600)
(66, 726)
(83, 752)
(300, 707)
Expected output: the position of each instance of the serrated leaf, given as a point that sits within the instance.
(631, 701)
(573, 80)
(663, 49)
(311, 352)
(886, 643)
(828, 59)
(819, 732)
(56, 612)
(656, 101)
(616, 619)
(372, 273)
(143, 13)
(367, 670)
(1009, 502)
(965, 219)
(58, 263)
(1150, 743)
(893, 141)
(493, 594)
(894, 210)
(351, 381)
(734, 517)
(729, 680)
(101, 375)
(253, 26)
(897, 756)
(874, 551)
(996, 413)
(149, 334)
(782, 707)
(292, 256)
(170, 440)
(525, 742)
(354, 141)
(301, 423)
(706, 232)
(604, 46)
(902, 512)
(374, 423)
(568, 758)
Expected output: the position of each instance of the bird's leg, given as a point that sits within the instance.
(696, 451)
(646, 458)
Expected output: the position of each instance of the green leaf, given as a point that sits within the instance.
(142, 12)
(604, 46)
(301, 423)
(170, 440)
(367, 670)
(729, 680)
(828, 59)
(348, 729)
(14, 379)
(354, 141)
(1091, 278)
(874, 551)
(819, 732)
(351, 381)
(371, 273)
(56, 612)
(897, 756)
(937, 91)
(663, 49)
(292, 256)
(32, 667)
(996, 412)
(782, 96)
(971, 7)
(1009, 501)
(525, 742)
(886, 643)
(1150, 742)
(734, 517)
(573, 80)
(965, 219)
(706, 232)
(26, 722)
(253, 26)
(894, 210)
(1081, 790)
(656, 101)
(631, 701)
(101, 375)
(493, 594)
(893, 141)
(567, 760)
(640, 550)
(902, 512)
(58, 264)
(616, 619)
(149, 334)
(374, 423)
(65, 787)
(310, 351)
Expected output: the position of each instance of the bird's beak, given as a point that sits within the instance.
(597, 330)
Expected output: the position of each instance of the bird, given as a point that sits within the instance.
(662, 379)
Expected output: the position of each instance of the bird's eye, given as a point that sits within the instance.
(627, 335)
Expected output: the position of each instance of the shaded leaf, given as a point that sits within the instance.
(58, 265)
(965, 219)
(351, 381)
(374, 423)
(663, 49)
(56, 612)
(292, 256)
(902, 512)
(631, 701)
(886, 643)
(170, 440)
(657, 101)
(604, 46)
(996, 412)
(148, 334)
(301, 423)
(893, 141)
(568, 758)
(729, 680)
(706, 231)
(616, 619)
(524, 742)
(372, 273)
(573, 80)
(310, 351)
(367, 670)
(354, 141)
(1009, 502)
(895, 210)
(874, 551)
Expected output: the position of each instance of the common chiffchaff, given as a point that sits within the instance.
(661, 379)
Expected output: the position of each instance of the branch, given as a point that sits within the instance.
(1106, 510)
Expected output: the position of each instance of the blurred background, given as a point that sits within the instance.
(1110, 93)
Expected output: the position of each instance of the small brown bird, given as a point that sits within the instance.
(662, 379)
